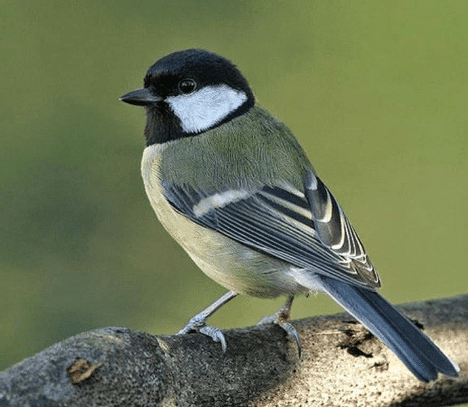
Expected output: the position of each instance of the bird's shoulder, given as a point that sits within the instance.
(250, 150)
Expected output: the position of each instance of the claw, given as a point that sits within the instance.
(198, 325)
(215, 334)
(292, 335)
(281, 318)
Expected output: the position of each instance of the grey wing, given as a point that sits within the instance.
(280, 221)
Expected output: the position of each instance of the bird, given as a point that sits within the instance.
(235, 189)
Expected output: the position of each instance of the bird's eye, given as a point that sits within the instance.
(187, 86)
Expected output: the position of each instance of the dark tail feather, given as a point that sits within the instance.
(420, 355)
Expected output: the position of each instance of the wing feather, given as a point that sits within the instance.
(335, 230)
(308, 230)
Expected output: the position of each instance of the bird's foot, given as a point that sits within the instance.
(197, 324)
(282, 318)
(291, 332)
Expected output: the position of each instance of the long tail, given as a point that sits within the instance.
(420, 355)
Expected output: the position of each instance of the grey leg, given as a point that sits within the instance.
(282, 318)
(197, 323)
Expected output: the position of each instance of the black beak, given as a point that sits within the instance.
(140, 97)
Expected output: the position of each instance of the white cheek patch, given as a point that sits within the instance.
(205, 107)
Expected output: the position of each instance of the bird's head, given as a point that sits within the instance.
(189, 92)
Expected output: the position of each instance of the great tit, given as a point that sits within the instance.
(235, 189)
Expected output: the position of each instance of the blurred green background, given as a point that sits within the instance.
(376, 92)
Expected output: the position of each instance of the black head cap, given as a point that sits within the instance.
(205, 67)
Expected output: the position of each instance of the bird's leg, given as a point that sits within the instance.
(282, 318)
(197, 323)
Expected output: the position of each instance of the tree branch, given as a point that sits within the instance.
(341, 364)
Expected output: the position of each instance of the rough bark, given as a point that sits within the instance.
(341, 365)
